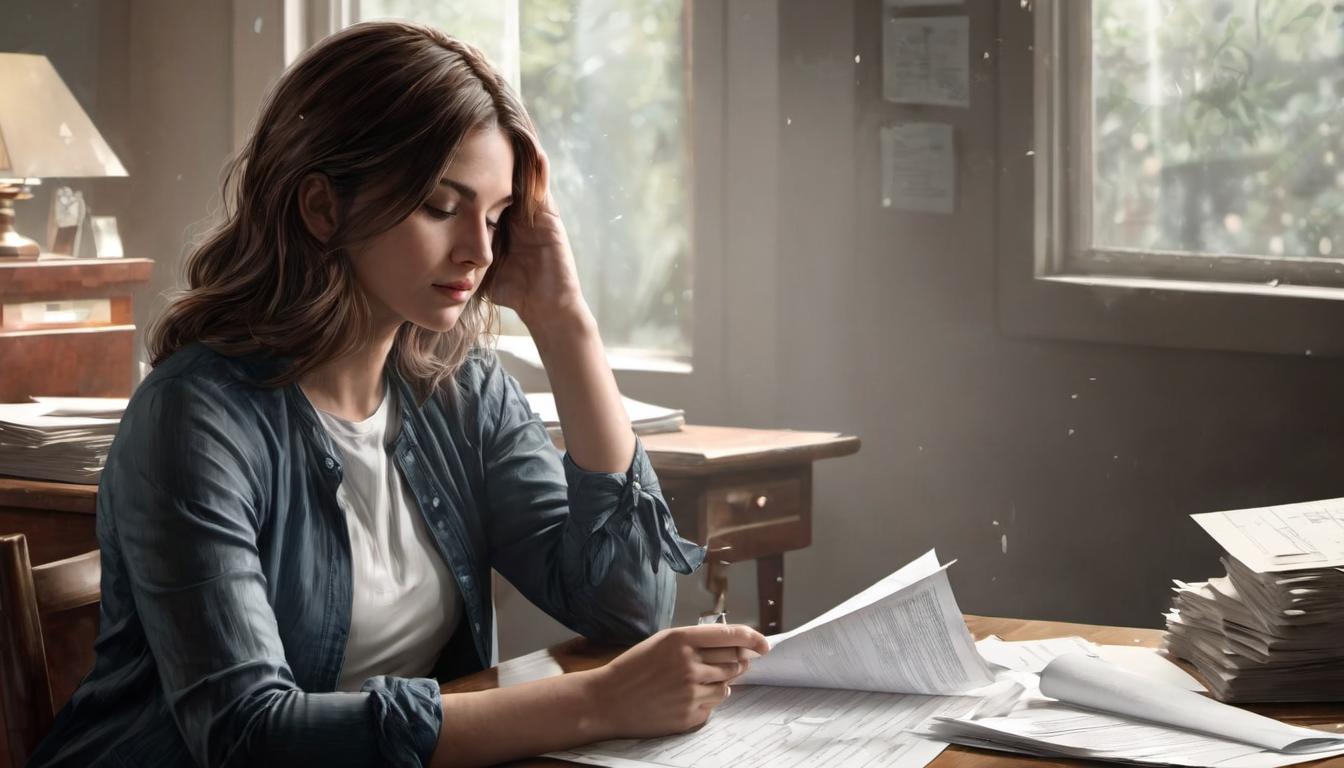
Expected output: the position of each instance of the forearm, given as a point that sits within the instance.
(592, 417)
(489, 727)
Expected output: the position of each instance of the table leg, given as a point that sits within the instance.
(716, 581)
(770, 592)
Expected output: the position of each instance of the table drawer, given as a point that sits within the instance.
(765, 516)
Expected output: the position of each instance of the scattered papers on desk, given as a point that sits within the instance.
(904, 634)
(763, 726)
(1084, 707)
(1271, 628)
(646, 419)
(58, 438)
(1031, 656)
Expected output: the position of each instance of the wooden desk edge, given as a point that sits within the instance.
(691, 464)
(47, 495)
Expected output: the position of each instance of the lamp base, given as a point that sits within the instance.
(12, 244)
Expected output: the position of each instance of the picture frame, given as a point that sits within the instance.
(106, 240)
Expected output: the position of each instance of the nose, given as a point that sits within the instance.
(472, 242)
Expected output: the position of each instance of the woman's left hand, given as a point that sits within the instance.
(537, 277)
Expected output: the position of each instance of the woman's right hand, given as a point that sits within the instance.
(670, 682)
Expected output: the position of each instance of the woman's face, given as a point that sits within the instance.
(426, 268)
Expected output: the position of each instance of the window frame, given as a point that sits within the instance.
(1053, 284)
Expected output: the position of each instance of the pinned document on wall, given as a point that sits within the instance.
(926, 60)
(919, 167)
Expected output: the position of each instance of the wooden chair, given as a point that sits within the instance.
(48, 619)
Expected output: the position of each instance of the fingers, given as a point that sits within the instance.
(711, 695)
(721, 655)
(715, 673)
(725, 635)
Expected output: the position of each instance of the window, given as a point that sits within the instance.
(1179, 162)
(1200, 140)
(606, 83)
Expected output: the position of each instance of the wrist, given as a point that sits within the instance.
(595, 722)
(569, 320)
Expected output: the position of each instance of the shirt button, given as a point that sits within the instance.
(435, 502)
(410, 457)
(476, 625)
(330, 462)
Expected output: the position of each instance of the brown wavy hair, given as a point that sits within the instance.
(379, 107)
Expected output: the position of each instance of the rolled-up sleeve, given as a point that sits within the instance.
(187, 501)
(595, 550)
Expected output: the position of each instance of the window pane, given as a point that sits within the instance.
(1217, 128)
(604, 80)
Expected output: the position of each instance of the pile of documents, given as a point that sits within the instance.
(891, 676)
(646, 419)
(1084, 707)
(65, 439)
(1272, 628)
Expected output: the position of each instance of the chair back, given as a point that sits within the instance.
(46, 614)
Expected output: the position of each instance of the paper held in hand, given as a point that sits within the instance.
(904, 634)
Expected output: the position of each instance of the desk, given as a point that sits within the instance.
(747, 495)
(579, 654)
(747, 489)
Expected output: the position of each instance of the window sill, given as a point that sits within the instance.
(1177, 314)
(620, 358)
(1117, 283)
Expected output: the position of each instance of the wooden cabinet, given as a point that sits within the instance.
(67, 327)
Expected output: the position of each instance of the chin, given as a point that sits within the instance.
(438, 322)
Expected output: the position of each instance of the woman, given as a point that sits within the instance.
(302, 507)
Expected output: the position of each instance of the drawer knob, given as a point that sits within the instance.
(760, 502)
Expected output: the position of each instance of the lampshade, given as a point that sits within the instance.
(44, 133)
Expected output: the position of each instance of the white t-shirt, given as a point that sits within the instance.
(406, 604)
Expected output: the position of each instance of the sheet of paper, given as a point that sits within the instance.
(919, 167)
(1281, 538)
(926, 60)
(1149, 663)
(765, 726)
(1030, 655)
(1054, 728)
(1087, 682)
(895, 637)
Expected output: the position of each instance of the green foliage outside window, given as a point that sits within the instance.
(604, 81)
(1217, 126)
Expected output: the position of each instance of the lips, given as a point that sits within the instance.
(456, 285)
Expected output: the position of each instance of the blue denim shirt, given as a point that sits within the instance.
(226, 585)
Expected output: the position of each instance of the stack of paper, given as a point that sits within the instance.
(645, 418)
(58, 438)
(1271, 628)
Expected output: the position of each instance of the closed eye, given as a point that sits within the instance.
(437, 213)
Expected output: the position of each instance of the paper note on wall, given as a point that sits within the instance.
(919, 167)
(926, 60)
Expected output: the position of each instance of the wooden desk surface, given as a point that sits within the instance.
(579, 654)
(697, 449)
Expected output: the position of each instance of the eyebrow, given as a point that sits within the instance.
(468, 192)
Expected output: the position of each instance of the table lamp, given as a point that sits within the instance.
(44, 133)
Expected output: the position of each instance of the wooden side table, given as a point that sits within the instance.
(54, 354)
(747, 495)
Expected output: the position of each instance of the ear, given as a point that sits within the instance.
(317, 205)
